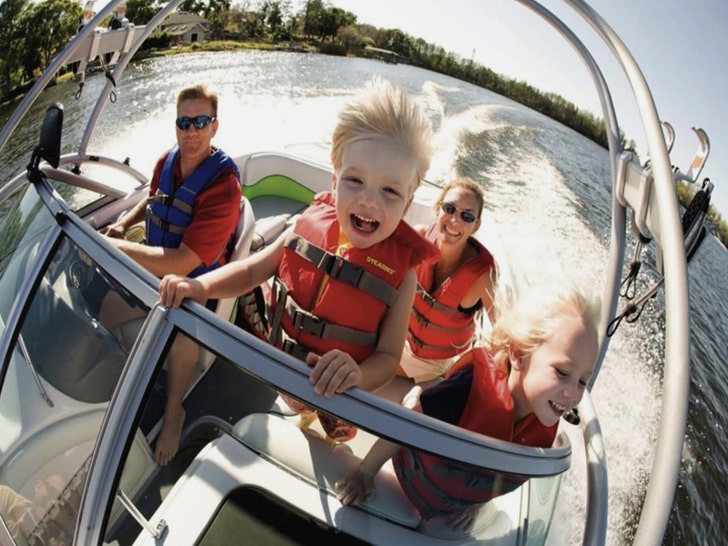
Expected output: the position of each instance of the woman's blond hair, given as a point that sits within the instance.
(382, 109)
(533, 319)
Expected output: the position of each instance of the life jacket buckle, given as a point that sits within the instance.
(307, 323)
(330, 264)
(428, 299)
(288, 345)
(421, 319)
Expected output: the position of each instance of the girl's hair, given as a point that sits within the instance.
(381, 109)
(199, 91)
(532, 320)
(467, 184)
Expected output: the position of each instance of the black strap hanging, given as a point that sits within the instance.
(694, 234)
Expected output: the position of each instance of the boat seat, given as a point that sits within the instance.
(278, 439)
(267, 230)
(314, 460)
(69, 351)
(59, 452)
(244, 235)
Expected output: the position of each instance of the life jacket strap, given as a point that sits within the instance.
(432, 302)
(163, 224)
(170, 201)
(414, 340)
(422, 319)
(342, 270)
(308, 323)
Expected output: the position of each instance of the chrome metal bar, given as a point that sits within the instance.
(33, 372)
(124, 60)
(595, 527)
(139, 517)
(676, 382)
(610, 297)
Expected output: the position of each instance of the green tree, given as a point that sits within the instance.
(350, 39)
(311, 12)
(47, 28)
(11, 44)
(329, 20)
(275, 11)
(192, 6)
(140, 12)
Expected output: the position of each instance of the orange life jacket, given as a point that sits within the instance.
(437, 487)
(437, 327)
(321, 301)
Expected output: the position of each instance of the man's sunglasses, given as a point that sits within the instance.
(200, 122)
(465, 215)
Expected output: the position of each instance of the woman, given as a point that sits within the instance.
(452, 292)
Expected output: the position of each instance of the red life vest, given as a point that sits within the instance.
(437, 327)
(321, 301)
(437, 487)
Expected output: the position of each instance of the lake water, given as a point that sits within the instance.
(547, 189)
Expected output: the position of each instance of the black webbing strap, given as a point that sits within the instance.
(342, 270)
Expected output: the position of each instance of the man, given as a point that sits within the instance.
(191, 214)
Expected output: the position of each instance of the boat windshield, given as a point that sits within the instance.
(63, 367)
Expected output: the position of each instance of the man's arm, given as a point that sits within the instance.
(160, 260)
(121, 226)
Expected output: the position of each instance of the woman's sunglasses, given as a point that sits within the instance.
(200, 122)
(465, 215)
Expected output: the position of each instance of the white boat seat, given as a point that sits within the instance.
(281, 441)
(267, 230)
(69, 351)
(243, 236)
(59, 452)
(318, 463)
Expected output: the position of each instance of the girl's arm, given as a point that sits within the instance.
(358, 485)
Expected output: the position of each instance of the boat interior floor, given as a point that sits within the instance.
(222, 397)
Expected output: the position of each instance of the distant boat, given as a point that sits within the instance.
(385, 55)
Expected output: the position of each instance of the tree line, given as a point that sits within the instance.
(35, 31)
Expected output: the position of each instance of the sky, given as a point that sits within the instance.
(681, 47)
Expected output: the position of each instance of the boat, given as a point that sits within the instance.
(81, 404)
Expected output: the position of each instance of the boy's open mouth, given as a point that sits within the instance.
(363, 224)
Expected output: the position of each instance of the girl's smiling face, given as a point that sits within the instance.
(551, 381)
(374, 185)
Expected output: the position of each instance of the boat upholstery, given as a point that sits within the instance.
(314, 460)
(69, 350)
(59, 452)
